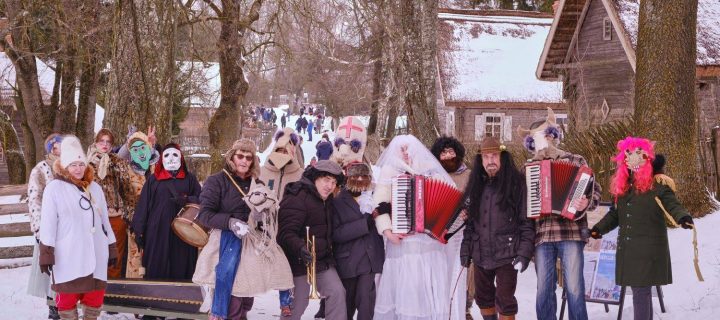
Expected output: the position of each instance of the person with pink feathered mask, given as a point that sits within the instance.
(641, 202)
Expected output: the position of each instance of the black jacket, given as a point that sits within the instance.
(220, 200)
(357, 246)
(497, 237)
(302, 206)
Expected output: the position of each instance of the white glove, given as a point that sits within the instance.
(238, 227)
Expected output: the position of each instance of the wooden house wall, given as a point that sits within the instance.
(465, 119)
(599, 71)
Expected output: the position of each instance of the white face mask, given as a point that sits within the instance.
(540, 140)
(171, 159)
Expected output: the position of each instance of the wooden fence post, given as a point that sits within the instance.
(715, 145)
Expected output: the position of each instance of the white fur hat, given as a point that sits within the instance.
(71, 151)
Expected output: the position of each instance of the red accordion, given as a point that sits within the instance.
(425, 205)
(553, 185)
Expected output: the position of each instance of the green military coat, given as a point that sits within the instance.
(643, 255)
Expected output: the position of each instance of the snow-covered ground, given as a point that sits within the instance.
(685, 299)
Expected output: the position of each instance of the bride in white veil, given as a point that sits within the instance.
(414, 284)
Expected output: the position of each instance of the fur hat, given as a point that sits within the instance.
(138, 136)
(71, 151)
(359, 177)
(323, 168)
(244, 145)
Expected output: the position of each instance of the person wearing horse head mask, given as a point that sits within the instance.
(165, 192)
(283, 165)
(558, 237)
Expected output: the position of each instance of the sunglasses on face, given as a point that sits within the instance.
(247, 157)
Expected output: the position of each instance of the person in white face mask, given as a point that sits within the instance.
(169, 189)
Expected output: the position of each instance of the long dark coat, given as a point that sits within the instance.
(643, 255)
(357, 246)
(496, 237)
(165, 255)
(300, 207)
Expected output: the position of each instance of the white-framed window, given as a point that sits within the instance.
(493, 125)
(607, 29)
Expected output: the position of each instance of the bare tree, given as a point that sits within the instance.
(143, 71)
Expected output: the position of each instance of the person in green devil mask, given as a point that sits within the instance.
(142, 155)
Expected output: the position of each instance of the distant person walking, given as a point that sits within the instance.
(310, 130)
(283, 120)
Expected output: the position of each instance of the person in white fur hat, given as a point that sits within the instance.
(76, 241)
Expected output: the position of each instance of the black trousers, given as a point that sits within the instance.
(642, 303)
(360, 296)
(500, 296)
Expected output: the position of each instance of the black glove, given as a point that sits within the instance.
(112, 262)
(140, 241)
(384, 207)
(46, 268)
(521, 263)
(465, 261)
(595, 233)
(370, 221)
(686, 222)
(305, 255)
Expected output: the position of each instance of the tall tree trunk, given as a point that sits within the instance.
(419, 20)
(64, 121)
(376, 79)
(665, 106)
(226, 124)
(11, 145)
(142, 79)
(17, 47)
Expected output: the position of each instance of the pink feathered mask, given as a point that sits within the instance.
(636, 155)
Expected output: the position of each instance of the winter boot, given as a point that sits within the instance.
(489, 313)
(53, 313)
(90, 313)
(321, 312)
(71, 314)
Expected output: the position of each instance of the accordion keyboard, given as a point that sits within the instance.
(579, 190)
(402, 204)
(532, 179)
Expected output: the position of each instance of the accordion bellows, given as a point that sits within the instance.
(425, 205)
(553, 185)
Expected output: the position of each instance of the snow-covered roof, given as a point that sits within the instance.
(493, 58)
(46, 75)
(708, 27)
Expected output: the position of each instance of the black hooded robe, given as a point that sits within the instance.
(165, 255)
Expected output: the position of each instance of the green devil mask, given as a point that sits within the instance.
(140, 154)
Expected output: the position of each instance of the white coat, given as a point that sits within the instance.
(80, 249)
